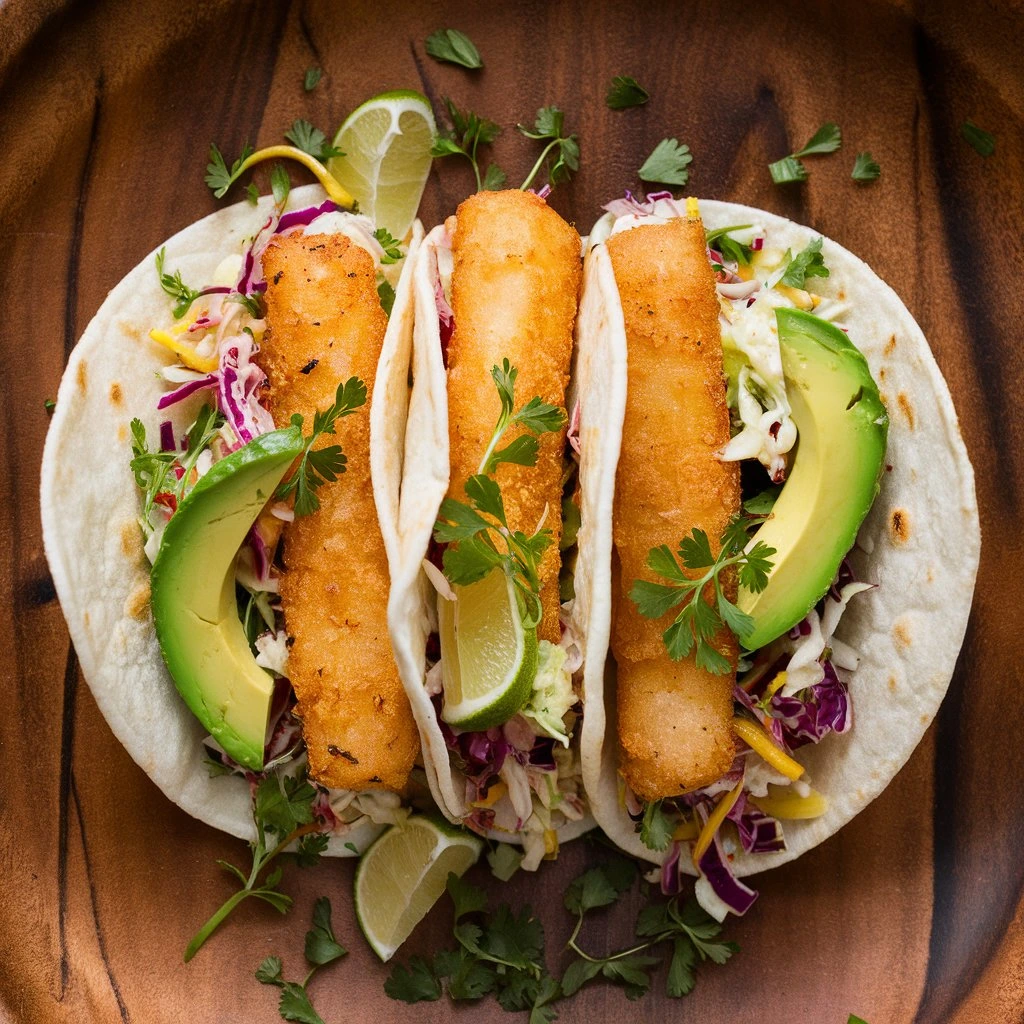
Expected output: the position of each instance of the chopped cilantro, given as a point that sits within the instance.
(626, 92)
(454, 47)
(865, 168)
(981, 141)
(667, 164)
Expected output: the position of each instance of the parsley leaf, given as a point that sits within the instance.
(413, 984)
(699, 621)
(549, 127)
(391, 246)
(865, 168)
(762, 503)
(173, 285)
(321, 945)
(269, 972)
(454, 47)
(218, 176)
(467, 899)
(827, 139)
(386, 294)
(787, 170)
(667, 164)
(626, 92)
(656, 827)
(981, 141)
(809, 262)
(283, 806)
(469, 131)
(317, 466)
(854, 1019)
(311, 78)
(280, 184)
(311, 140)
(252, 193)
(294, 1005)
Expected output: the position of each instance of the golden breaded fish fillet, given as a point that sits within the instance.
(325, 324)
(515, 286)
(675, 719)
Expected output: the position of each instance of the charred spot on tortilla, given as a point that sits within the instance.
(906, 408)
(131, 539)
(82, 376)
(890, 345)
(130, 330)
(136, 604)
(116, 394)
(901, 633)
(899, 526)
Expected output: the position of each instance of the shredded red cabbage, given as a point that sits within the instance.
(190, 387)
(715, 867)
(811, 714)
(758, 832)
(167, 442)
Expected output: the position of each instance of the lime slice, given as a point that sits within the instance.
(401, 876)
(386, 143)
(488, 658)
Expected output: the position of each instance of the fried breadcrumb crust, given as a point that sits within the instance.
(325, 324)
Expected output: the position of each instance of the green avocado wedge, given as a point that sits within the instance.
(193, 595)
(833, 477)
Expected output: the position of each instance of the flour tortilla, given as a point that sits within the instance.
(90, 508)
(920, 544)
(411, 615)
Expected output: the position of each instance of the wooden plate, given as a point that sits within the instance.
(911, 913)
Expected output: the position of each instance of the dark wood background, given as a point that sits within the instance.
(913, 912)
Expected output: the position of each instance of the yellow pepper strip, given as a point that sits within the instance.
(756, 737)
(714, 822)
(686, 830)
(799, 298)
(186, 352)
(494, 794)
(785, 805)
(775, 685)
(550, 844)
(329, 182)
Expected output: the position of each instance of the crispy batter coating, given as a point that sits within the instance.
(322, 306)
(515, 287)
(675, 728)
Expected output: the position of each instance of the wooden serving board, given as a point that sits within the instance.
(913, 912)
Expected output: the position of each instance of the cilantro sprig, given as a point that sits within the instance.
(690, 932)
(317, 466)
(173, 285)
(865, 168)
(451, 46)
(982, 142)
(219, 176)
(283, 814)
(392, 246)
(667, 164)
(468, 133)
(656, 826)
(808, 262)
(311, 79)
(827, 139)
(477, 531)
(625, 92)
(311, 140)
(563, 149)
(721, 239)
(322, 948)
(699, 620)
(154, 471)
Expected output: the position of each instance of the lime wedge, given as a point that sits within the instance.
(488, 658)
(401, 876)
(386, 143)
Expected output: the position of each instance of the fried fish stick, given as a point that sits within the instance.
(325, 324)
(674, 718)
(515, 286)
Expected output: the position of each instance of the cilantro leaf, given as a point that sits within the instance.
(413, 984)
(695, 550)
(549, 127)
(386, 294)
(522, 452)
(753, 571)
(392, 246)
(654, 599)
(311, 140)
(981, 141)
(454, 47)
(322, 465)
(787, 170)
(809, 262)
(280, 184)
(294, 1004)
(577, 974)
(494, 179)
(457, 521)
(591, 889)
(681, 977)
(310, 849)
(269, 971)
(516, 940)
(827, 139)
(252, 193)
(854, 1019)
(469, 131)
(311, 79)
(667, 164)
(656, 827)
(218, 176)
(173, 285)
(485, 494)
(540, 417)
(470, 561)
(321, 945)
(284, 803)
(729, 248)
(625, 92)
(865, 168)
(762, 503)
(468, 977)
(630, 972)
(467, 898)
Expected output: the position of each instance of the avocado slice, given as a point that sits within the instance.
(833, 477)
(193, 595)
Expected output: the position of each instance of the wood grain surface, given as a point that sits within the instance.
(913, 912)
